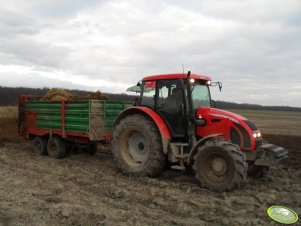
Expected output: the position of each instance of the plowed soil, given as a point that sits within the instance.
(87, 190)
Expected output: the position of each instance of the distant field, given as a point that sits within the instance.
(274, 122)
(8, 112)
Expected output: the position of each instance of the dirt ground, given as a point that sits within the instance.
(87, 190)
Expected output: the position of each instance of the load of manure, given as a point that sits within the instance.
(57, 94)
(97, 96)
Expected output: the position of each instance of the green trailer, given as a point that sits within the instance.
(52, 125)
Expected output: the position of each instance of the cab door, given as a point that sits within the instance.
(170, 104)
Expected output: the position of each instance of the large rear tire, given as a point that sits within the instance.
(40, 145)
(220, 165)
(137, 146)
(56, 148)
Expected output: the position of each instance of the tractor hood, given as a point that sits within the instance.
(235, 127)
(218, 113)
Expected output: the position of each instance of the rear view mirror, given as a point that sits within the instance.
(220, 85)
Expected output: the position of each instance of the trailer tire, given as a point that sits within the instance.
(137, 147)
(56, 147)
(220, 165)
(40, 145)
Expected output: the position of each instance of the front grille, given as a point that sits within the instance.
(246, 137)
(234, 136)
(258, 142)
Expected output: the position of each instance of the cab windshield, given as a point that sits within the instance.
(200, 94)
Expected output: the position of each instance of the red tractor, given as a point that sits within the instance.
(173, 121)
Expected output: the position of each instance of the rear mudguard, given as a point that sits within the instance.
(201, 142)
(270, 154)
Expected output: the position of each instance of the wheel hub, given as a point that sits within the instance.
(218, 166)
(138, 148)
(141, 146)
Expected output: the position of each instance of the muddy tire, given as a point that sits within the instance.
(56, 148)
(220, 165)
(257, 171)
(137, 147)
(40, 145)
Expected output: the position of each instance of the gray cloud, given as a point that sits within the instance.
(13, 23)
(26, 51)
(252, 46)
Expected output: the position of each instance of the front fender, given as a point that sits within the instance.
(155, 117)
(201, 142)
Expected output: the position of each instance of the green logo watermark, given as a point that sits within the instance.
(282, 214)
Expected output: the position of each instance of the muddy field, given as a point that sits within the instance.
(87, 190)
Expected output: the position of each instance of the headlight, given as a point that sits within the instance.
(191, 80)
(257, 135)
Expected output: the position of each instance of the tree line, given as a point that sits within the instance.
(9, 97)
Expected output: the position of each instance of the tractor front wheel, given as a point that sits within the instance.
(137, 146)
(220, 166)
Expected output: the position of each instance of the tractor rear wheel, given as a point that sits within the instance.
(40, 145)
(220, 165)
(56, 148)
(137, 146)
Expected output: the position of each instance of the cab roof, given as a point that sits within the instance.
(176, 76)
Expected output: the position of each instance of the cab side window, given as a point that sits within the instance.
(148, 94)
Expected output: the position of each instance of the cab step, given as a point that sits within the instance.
(177, 155)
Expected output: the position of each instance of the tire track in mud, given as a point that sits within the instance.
(87, 190)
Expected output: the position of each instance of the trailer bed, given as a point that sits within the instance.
(90, 119)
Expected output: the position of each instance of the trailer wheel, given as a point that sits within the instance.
(137, 146)
(220, 165)
(40, 145)
(56, 148)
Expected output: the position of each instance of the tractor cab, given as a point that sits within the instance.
(168, 95)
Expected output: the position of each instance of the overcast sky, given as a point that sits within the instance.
(252, 46)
